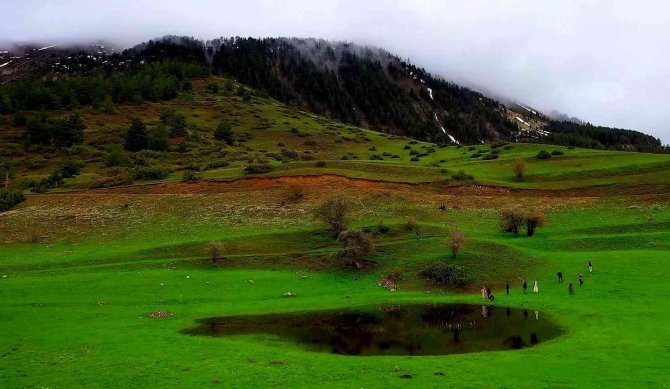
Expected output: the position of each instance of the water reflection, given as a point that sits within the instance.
(419, 329)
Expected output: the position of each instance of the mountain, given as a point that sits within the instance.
(362, 86)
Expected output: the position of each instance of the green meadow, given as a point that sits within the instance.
(82, 270)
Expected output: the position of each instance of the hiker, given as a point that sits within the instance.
(507, 288)
(483, 293)
(418, 236)
(590, 267)
(488, 293)
(525, 287)
(571, 288)
(560, 277)
(581, 280)
(536, 289)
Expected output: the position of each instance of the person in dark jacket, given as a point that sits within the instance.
(507, 288)
(560, 276)
(525, 286)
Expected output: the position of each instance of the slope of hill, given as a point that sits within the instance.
(357, 85)
(271, 138)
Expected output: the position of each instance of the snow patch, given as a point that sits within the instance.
(5, 64)
(46, 47)
(522, 121)
(430, 92)
(443, 130)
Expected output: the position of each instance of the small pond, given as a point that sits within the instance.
(416, 329)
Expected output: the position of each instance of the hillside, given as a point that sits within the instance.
(362, 86)
(271, 138)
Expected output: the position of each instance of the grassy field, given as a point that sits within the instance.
(81, 270)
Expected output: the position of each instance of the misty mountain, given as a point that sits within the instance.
(355, 84)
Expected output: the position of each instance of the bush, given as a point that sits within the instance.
(557, 152)
(9, 198)
(445, 274)
(295, 192)
(356, 245)
(411, 225)
(224, 133)
(519, 168)
(462, 176)
(70, 169)
(543, 154)
(511, 220)
(257, 168)
(215, 250)
(150, 173)
(382, 228)
(455, 242)
(320, 163)
(189, 175)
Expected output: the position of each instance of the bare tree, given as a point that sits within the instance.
(519, 167)
(511, 220)
(356, 245)
(215, 249)
(334, 212)
(534, 218)
(455, 241)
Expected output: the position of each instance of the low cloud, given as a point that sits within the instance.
(602, 61)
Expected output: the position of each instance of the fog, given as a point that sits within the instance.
(605, 62)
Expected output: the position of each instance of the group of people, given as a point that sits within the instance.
(486, 291)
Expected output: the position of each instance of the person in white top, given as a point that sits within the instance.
(535, 288)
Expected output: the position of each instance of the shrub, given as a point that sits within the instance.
(455, 242)
(224, 133)
(557, 152)
(189, 175)
(375, 157)
(445, 274)
(411, 224)
(533, 219)
(158, 138)
(117, 157)
(150, 173)
(382, 228)
(462, 176)
(70, 169)
(9, 198)
(295, 192)
(257, 168)
(414, 159)
(320, 163)
(334, 212)
(519, 168)
(543, 154)
(215, 250)
(356, 245)
(511, 220)
(212, 87)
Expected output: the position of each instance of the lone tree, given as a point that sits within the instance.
(334, 212)
(533, 218)
(519, 168)
(512, 220)
(215, 249)
(356, 245)
(136, 138)
(455, 241)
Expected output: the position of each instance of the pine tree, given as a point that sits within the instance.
(136, 138)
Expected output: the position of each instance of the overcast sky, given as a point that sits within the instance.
(607, 62)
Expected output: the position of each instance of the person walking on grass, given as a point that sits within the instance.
(483, 293)
(525, 287)
(571, 288)
(507, 288)
(590, 267)
(536, 289)
(560, 276)
(581, 280)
